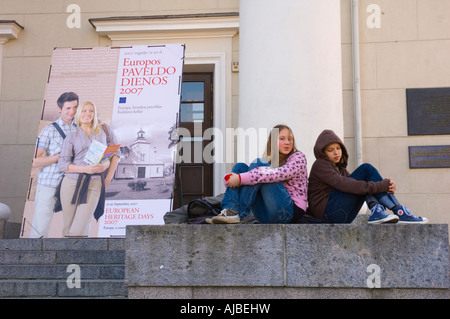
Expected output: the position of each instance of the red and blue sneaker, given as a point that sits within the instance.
(407, 217)
(379, 216)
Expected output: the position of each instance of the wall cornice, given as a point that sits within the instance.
(168, 26)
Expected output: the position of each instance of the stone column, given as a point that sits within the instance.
(290, 68)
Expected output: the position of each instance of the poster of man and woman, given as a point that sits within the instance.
(126, 97)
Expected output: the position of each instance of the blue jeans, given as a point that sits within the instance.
(270, 203)
(342, 207)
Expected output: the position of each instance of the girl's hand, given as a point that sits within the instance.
(234, 181)
(392, 187)
(95, 168)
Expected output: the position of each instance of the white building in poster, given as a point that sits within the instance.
(139, 160)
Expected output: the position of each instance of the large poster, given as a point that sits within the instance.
(136, 91)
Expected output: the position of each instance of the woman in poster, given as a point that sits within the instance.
(82, 191)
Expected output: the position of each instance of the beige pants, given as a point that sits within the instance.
(77, 217)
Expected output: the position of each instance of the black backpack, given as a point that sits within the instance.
(200, 209)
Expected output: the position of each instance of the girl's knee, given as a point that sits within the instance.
(372, 170)
(240, 168)
(367, 171)
(258, 163)
(367, 166)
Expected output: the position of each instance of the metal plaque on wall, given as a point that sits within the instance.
(434, 156)
(428, 111)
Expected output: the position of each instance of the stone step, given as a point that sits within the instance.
(59, 289)
(97, 271)
(20, 257)
(39, 268)
(55, 244)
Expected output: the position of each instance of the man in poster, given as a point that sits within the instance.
(48, 147)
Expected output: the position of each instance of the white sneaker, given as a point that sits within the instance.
(226, 216)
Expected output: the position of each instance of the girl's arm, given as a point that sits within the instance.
(295, 166)
(112, 168)
(325, 172)
(88, 169)
(114, 160)
(65, 160)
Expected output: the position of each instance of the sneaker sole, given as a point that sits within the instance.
(392, 219)
(220, 221)
(410, 223)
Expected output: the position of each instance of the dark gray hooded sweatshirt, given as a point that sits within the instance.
(326, 176)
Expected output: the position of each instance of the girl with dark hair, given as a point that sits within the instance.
(336, 196)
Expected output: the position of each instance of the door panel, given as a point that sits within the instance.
(194, 176)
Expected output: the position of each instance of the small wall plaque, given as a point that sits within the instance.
(429, 156)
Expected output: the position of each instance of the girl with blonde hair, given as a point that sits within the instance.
(274, 189)
(82, 192)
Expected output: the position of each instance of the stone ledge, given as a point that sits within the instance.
(282, 293)
(408, 256)
(307, 256)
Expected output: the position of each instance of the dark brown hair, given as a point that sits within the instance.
(66, 97)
